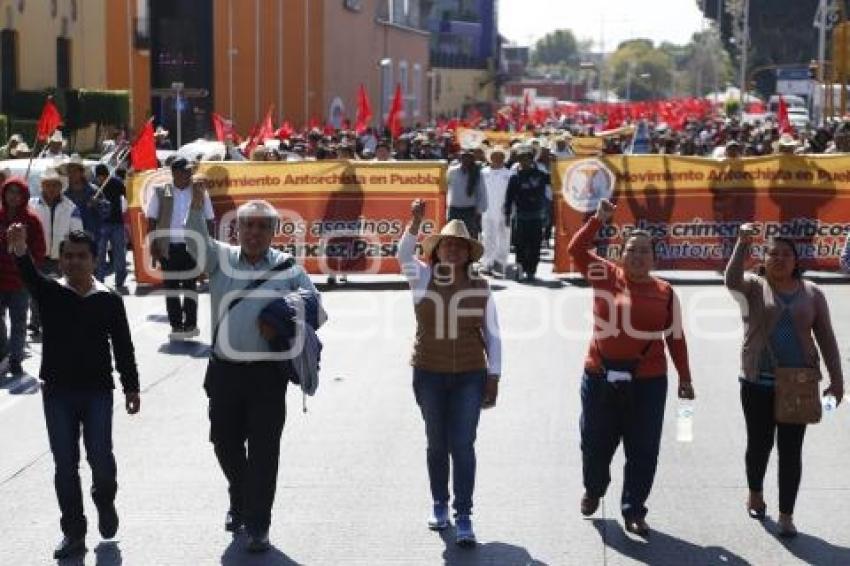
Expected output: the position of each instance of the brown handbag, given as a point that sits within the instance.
(797, 394)
(797, 399)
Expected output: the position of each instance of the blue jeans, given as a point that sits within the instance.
(451, 405)
(17, 303)
(64, 412)
(637, 421)
(112, 235)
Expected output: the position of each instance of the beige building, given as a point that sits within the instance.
(306, 58)
(52, 43)
(453, 89)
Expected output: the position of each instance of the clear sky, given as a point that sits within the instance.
(525, 21)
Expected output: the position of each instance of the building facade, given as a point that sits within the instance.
(304, 58)
(465, 54)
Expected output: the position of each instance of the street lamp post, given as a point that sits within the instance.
(745, 45)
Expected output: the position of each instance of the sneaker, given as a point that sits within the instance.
(439, 520)
(176, 333)
(258, 543)
(191, 332)
(232, 522)
(464, 535)
(69, 546)
(107, 521)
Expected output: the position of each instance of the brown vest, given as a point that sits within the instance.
(450, 333)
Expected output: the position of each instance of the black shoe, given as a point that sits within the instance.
(232, 522)
(16, 369)
(258, 543)
(69, 546)
(589, 505)
(107, 520)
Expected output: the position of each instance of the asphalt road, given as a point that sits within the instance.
(353, 489)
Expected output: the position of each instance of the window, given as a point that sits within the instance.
(416, 93)
(387, 86)
(63, 62)
(9, 64)
(403, 80)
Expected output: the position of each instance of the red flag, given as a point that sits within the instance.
(143, 150)
(260, 132)
(782, 116)
(364, 111)
(223, 127)
(394, 116)
(49, 120)
(284, 132)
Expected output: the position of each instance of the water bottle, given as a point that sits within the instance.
(829, 403)
(685, 421)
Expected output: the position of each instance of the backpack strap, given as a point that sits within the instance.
(255, 284)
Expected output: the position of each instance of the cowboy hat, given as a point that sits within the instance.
(52, 174)
(454, 229)
(787, 140)
(74, 161)
(21, 148)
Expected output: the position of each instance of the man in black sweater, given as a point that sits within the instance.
(80, 318)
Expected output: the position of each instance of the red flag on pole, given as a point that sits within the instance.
(260, 132)
(284, 132)
(49, 120)
(394, 116)
(223, 127)
(143, 149)
(364, 111)
(782, 116)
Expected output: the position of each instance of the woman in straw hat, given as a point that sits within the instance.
(456, 359)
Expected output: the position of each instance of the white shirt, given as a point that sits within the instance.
(418, 274)
(496, 182)
(182, 204)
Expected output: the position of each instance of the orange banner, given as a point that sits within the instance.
(586, 146)
(693, 206)
(335, 216)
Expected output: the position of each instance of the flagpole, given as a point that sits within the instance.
(32, 156)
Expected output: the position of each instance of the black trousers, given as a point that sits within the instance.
(247, 411)
(529, 235)
(762, 428)
(182, 307)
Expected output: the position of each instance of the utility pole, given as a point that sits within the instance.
(745, 46)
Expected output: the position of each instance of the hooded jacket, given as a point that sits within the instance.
(10, 277)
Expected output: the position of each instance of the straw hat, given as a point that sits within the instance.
(454, 229)
(20, 149)
(787, 140)
(73, 161)
(51, 174)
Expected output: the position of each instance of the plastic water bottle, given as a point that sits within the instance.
(685, 422)
(829, 404)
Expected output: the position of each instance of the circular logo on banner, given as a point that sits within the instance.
(586, 182)
(471, 138)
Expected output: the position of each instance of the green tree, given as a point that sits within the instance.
(557, 47)
(639, 71)
(780, 32)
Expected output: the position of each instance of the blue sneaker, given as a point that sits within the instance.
(439, 520)
(464, 535)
